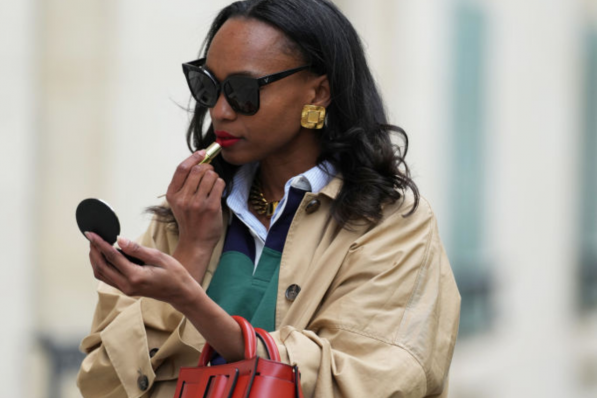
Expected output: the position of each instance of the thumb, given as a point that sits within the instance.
(134, 251)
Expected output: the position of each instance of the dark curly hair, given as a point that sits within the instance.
(357, 136)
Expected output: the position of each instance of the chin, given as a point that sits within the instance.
(236, 160)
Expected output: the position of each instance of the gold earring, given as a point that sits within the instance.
(313, 117)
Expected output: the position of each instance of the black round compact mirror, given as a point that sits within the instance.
(95, 215)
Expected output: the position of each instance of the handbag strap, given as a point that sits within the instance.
(269, 343)
(248, 337)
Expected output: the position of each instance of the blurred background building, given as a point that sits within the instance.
(499, 98)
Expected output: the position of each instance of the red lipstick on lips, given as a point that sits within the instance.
(225, 139)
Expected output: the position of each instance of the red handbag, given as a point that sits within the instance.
(250, 378)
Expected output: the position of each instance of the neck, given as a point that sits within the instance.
(275, 171)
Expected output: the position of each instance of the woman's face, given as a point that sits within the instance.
(253, 48)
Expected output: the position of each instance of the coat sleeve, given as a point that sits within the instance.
(388, 323)
(125, 330)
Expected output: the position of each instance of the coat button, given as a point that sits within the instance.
(143, 382)
(152, 352)
(312, 206)
(292, 292)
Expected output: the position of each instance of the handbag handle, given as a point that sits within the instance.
(248, 336)
(269, 343)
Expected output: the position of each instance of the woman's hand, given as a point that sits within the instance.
(194, 195)
(166, 279)
(162, 278)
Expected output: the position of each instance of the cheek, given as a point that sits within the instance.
(273, 127)
(283, 111)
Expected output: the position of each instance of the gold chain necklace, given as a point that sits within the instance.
(258, 201)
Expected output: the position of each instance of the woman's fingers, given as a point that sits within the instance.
(113, 268)
(183, 170)
(218, 190)
(103, 270)
(214, 199)
(111, 264)
(163, 278)
(196, 179)
(206, 185)
(148, 256)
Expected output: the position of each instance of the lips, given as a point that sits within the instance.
(226, 139)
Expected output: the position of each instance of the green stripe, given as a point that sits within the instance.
(240, 292)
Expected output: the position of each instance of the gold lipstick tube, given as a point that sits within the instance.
(210, 153)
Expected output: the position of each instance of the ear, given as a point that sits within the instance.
(321, 95)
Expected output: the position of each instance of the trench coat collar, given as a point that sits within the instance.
(333, 188)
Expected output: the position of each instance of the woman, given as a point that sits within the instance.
(321, 236)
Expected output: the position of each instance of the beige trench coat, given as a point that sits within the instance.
(376, 316)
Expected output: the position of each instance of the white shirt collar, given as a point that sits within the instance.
(312, 180)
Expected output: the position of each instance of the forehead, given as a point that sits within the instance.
(248, 45)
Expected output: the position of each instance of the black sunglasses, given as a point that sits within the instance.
(241, 92)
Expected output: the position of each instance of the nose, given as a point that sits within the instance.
(222, 109)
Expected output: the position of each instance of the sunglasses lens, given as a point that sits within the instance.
(242, 94)
(202, 87)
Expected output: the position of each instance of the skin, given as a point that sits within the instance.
(273, 136)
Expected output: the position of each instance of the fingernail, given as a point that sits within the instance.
(123, 242)
(87, 235)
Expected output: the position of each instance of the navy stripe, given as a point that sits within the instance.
(238, 238)
(276, 237)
